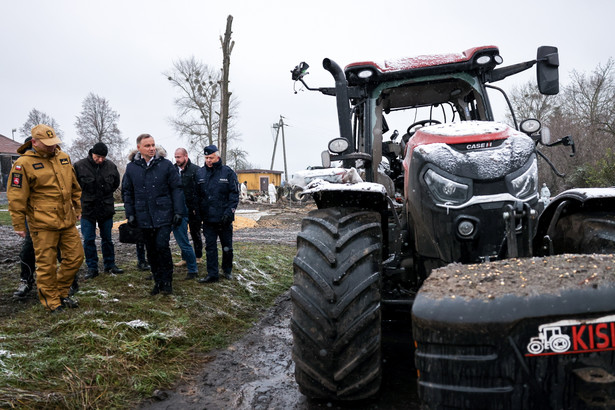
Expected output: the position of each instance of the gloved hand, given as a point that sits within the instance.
(226, 219)
(177, 220)
(132, 221)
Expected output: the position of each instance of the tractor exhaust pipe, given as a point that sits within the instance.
(343, 107)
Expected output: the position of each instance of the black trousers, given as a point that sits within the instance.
(26, 260)
(213, 231)
(194, 222)
(159, 253)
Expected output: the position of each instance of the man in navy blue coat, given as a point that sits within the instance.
(154, 201)
(217, 194)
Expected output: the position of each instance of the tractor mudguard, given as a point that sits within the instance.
(366, 195)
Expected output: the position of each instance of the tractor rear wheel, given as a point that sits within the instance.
(336, 304)
(585, 232)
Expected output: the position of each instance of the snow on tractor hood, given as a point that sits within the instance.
(491, 162)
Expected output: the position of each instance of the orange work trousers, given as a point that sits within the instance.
(54, 282)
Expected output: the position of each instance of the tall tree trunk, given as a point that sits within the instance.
(225, 95)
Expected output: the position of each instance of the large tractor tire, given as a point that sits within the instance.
(336, 304)
(585, 232)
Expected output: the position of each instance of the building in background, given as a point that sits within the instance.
(8, 154)
(258, 179)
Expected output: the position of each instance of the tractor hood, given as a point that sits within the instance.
(472, 149)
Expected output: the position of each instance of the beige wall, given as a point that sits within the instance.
(254, 179)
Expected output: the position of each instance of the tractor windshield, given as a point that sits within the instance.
(429, 102)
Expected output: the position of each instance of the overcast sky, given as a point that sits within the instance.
(56, 52)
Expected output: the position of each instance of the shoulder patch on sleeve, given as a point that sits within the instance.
(17, 167)
(38, 165)
(64, 161)
(16, 180)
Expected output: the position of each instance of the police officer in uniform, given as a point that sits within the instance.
(43, 188)
(217, 194)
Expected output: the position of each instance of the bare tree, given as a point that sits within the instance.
(238, 159)
(590, 98)
(529, 103)
(588, 104)
(225, 100)
(98, 123)
(36, 117)
(198, 105)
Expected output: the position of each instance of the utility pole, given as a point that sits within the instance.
(279, 126)
(225, 95)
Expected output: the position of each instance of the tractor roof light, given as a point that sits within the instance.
(365, 74)
(482, 60)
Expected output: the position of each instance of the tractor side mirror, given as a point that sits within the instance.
(300, 71)
(547, 73)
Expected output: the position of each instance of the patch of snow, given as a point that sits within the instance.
(135, 324)
(461, 128)
(320, 185)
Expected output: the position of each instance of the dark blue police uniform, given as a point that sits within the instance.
(217, 194)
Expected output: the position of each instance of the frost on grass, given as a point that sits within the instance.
(173, 333)
(4, 369)
(135, 324)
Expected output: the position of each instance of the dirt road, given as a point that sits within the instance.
(257, 373)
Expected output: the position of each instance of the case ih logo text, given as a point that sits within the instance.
(479, 145)
(573, 336)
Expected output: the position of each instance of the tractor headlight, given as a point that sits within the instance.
(526, 184)
(446, 190)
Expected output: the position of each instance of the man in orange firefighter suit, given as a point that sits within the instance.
(44, 190)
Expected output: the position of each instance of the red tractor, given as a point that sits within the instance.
(452, 186)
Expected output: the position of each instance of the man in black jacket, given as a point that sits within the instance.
(154, 201)
(187, 171)
(99, 178)
(217, 194)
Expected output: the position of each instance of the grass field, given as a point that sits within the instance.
(121, 344)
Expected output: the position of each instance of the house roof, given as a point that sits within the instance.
(257, 171)
(8, 146)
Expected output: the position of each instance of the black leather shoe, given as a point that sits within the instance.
(114, 269)
(74, 288)
(228, 276)
(156, 290)
(143, 266)
(191, 275)
(22, 290)
(166, 288)
(91, 274)
(208, 279)
(69, 303)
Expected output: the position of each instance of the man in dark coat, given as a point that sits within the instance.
(187, 170)
(99, 178)
(154, 201)
(217, 194)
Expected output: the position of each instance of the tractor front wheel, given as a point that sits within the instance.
(336, 304)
